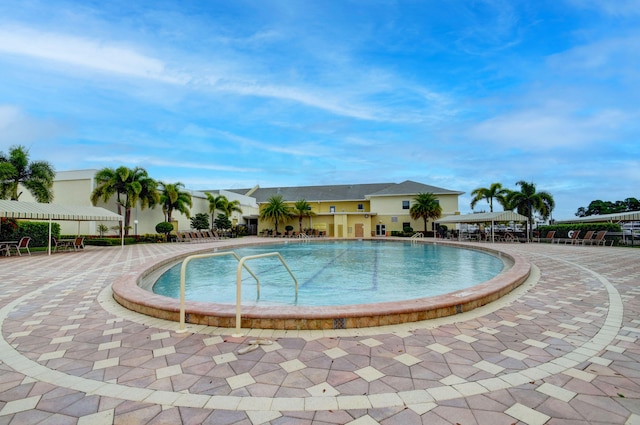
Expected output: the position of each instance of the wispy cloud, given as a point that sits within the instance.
(88, 53)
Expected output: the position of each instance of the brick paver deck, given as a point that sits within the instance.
(561, 349)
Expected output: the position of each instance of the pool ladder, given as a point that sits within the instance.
(241, 265)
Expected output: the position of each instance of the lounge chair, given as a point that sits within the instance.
(548, 238)
(599, 239)
(586, 239)
(18, 247)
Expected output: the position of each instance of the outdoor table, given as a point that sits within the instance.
(67, 243)
(4, 245)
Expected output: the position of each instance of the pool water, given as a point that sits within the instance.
(334, 273)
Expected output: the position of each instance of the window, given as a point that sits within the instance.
(405, 205)
(332, 209)
(406, 225)
(394, 219)
(360, 207)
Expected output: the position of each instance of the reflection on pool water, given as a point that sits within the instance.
(334, 273)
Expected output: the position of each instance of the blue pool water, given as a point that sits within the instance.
(334, 273)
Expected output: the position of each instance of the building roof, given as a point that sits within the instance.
(346, 192)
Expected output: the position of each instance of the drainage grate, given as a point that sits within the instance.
(340, 323)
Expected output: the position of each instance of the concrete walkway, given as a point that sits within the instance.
(563, 349)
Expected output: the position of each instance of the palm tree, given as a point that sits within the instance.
(495, 191)
(301, 209)
(130, 187)
(172, 197)
(527, 200)
(36, 176)
(229, 207)
(426, 207)
(215, 203)
(275, 210)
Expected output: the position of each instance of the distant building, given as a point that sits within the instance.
(343, 211)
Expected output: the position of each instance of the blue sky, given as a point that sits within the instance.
(230, 94)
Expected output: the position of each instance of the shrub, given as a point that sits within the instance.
(38, 232)
(164, 227)
(200, 221)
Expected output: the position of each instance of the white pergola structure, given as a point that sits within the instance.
(56, 212)
(607, 218)
(490, 217)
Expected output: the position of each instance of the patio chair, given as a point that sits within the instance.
(22, 244)
(78, 243)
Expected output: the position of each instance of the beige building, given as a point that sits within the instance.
(356, 210)
(343, 211)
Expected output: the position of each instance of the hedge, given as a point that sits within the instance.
(38, 232)
(108, 241)
(562, 230)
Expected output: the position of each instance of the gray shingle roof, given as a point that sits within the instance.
(347, 192)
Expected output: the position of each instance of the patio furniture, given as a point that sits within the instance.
(62, 243)
(19, 246)
(4, 247)
(78, 243)
(599, 239)
(586, 239)
(548, 238)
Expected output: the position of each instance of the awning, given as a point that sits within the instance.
(490, 217)
(483, 217)
(37, 211)
(624, 216)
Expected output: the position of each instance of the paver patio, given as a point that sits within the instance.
(562, 349)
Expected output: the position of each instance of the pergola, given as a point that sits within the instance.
(490, 217)
(608, 218)
(623, 216)
(55, 212)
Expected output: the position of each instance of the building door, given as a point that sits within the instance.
(359, 230)
(381, 230)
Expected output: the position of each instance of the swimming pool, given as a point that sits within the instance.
(335, 273)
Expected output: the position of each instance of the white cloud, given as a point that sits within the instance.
(94, 54)
(550, 128)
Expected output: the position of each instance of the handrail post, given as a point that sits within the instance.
(239, 333)
(183, 278)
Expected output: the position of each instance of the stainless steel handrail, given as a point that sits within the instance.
(183, 274)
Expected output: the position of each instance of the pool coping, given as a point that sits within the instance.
(128, 293)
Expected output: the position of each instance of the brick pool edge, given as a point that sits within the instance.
(128, 293)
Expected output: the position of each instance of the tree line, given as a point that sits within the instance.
(130, 186)
(599, 207)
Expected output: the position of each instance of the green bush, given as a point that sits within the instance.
(108, 241)
(38, 231)
(151, 237)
